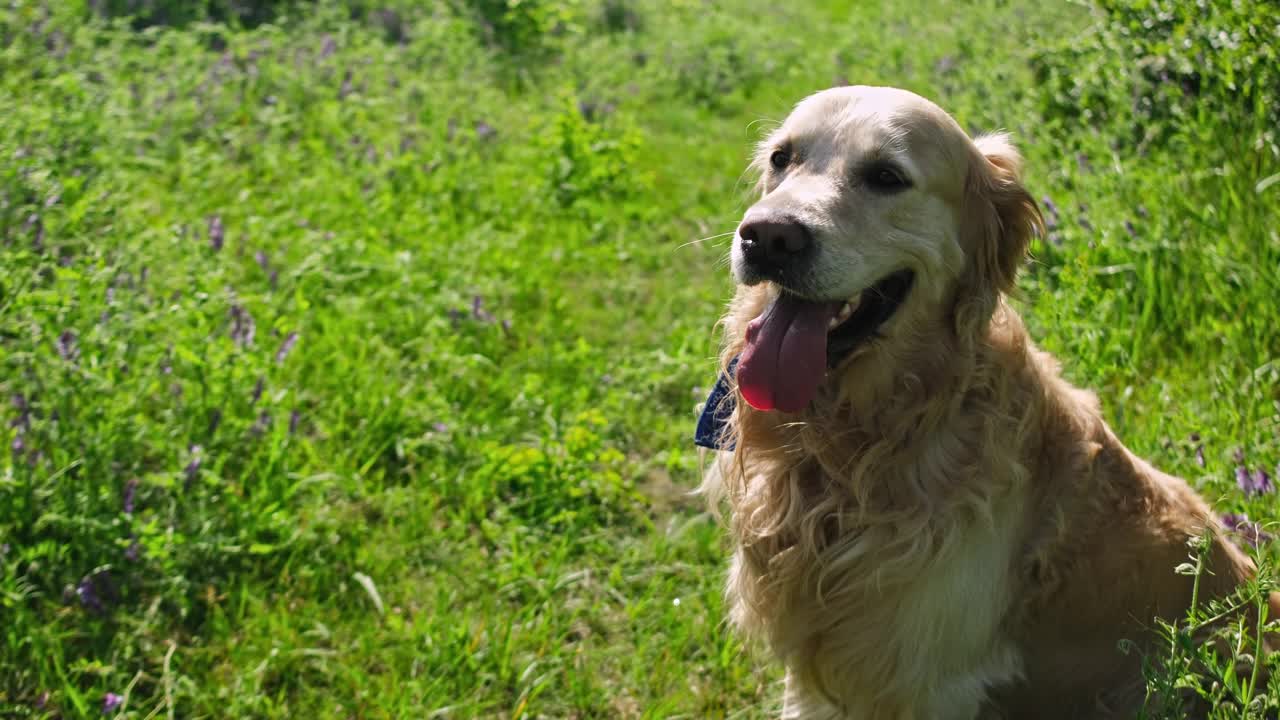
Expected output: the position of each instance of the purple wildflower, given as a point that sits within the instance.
(485, 131)
(110, 702)
(133, 553)
(67, 346)
(274, 279)
(1243, 481)
(42, 700)
(242, 326)
(1200, 455)
(1253, 483)
(1129, 228)
(479, 312)
(130, 490)
(1251, 531)
(1237, 456)
(216, 232)
(1051, 222)
(23, 421)
(36, 226)
(440, 427)
(285, 347)
(261, 258)
(87, 592)
(192, 469)
(1262, 481)
(257, 390)
(328, 47)
(294, 416)
(18, 446)
(261, 424)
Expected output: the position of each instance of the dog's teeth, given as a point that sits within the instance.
(841, 315)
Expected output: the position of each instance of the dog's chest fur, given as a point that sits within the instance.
(901, 618)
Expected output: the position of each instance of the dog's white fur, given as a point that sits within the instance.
(949, 530)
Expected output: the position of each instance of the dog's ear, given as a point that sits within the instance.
(1000, 218)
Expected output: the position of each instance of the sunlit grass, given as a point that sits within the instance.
(401, 303)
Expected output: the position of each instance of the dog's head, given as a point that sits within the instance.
(878, 215)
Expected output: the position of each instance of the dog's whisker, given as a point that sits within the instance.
(702, 240)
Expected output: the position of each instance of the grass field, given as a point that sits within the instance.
(350, 353)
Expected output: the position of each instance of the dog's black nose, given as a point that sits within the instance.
(774, 241)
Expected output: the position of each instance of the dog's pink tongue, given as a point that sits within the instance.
(786, 354)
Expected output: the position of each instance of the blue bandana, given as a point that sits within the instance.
(710, 432)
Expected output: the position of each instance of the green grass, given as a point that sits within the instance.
(390, 323)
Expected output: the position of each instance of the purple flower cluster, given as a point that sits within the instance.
(67, 348)
(1052, 220)
(285, 347)
(22, 426)
(95, 592)
(242, 326)
(1257, 482)
(1251, 531)
(216, 232)
(261, 425)
(23, 421)
(485, 131)
(35, 226)
(478, 313)
(273, 276)
(1251, 482)
(192, 469)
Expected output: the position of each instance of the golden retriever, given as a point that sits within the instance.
(927, 520)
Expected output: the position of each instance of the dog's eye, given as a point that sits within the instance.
(884, 178)
(780, 159)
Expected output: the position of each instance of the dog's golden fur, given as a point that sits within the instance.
(950, 529)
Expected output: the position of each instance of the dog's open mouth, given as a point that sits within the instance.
(793, 342)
